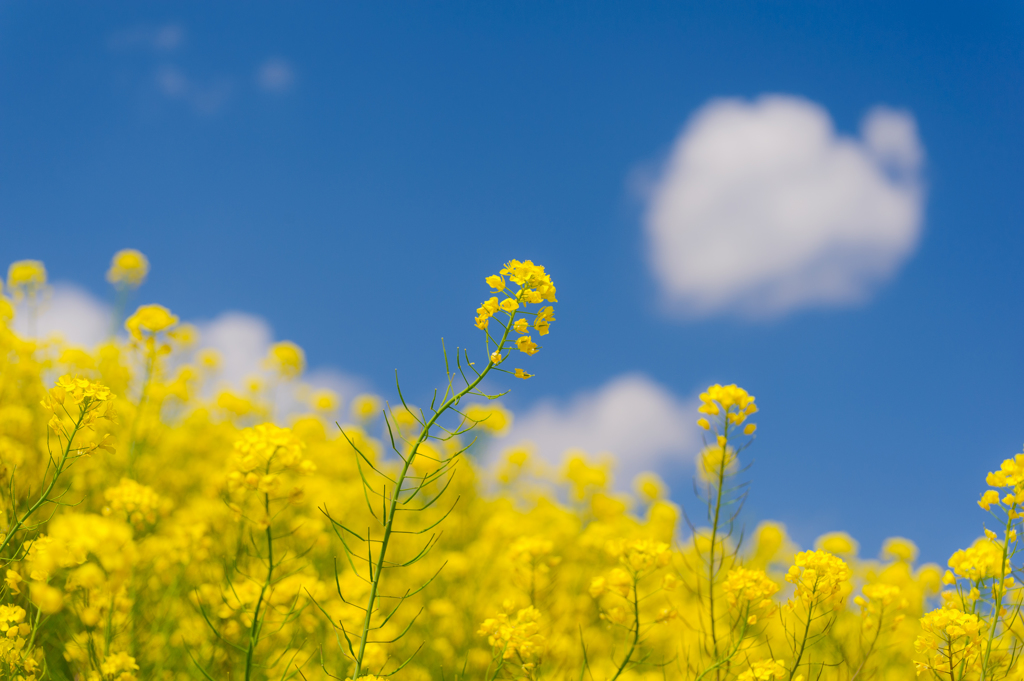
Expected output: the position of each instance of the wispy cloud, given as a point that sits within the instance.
(163, 38)
(275, 75)
(204, 97)
(762, 208)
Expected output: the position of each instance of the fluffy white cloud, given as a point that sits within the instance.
(639, 422)
(762, 208)
(275, 76)
(71, 313)
(242, 341)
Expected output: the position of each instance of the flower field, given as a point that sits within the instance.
(159, 525)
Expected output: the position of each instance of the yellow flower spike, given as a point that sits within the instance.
(128, 268)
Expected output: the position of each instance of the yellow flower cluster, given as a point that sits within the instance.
(140, 503)
(286, 359)
(128, 268)
(750, 591)
(518, 637)
(15, 658)
(950, 640)
(535, 286)
(150, 320)
(763, 670)
(983, 559)
(262, 454)
(26, 278)
(731, 403)
(820, 577)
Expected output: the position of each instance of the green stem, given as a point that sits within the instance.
(254, 631)
(390, 520)
(998, 598)
(132, 453)
(803, 643)
(44, 497)
(714, 535)
(636, 630)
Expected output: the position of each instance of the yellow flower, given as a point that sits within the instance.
(749, 588)
(839, 543)
(519, 373)
(819, 577)
(763, 670)
(485, 312)
(521, 326)
(492, 418)
(365, 407)
(509, 305)
(736, 403)
(516, 637)
(150, 319)
(26, 275)
(128, 268)
(526, 344)
(496, 282)
(324, 400)
(984, 558)
(988, 498)
(287, 359)
(47, 598)
(545, 316)
(951, 640)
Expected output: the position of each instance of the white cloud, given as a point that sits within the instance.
(762, 208)
(275, 76)
(243, 341)
(71, 313)
(638, 421)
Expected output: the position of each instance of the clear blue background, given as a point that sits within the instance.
(424, 143)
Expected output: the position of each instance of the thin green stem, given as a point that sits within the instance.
(390, 520)
(254, 630)
(636, 631)
(803, 643)
(19, 522)
(998, 596)
(714, 535)
(132, 444)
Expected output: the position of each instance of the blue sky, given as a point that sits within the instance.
(351, 172)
